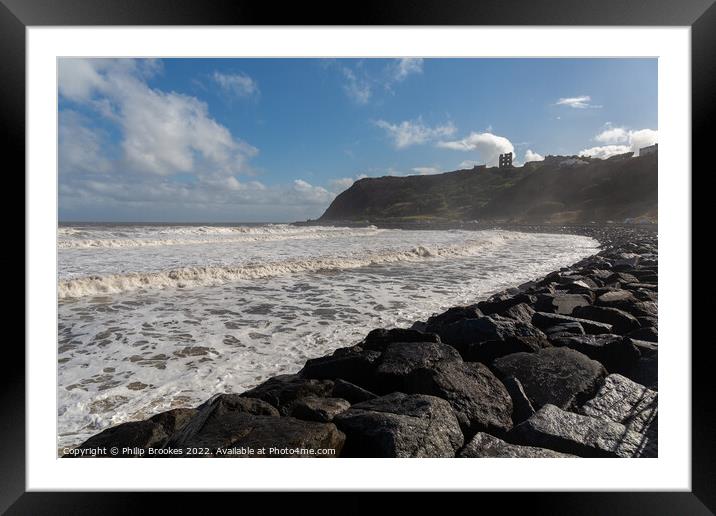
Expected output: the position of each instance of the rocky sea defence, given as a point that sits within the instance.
(563, 366)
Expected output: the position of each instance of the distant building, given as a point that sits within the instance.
(651, 149)
(506, 160)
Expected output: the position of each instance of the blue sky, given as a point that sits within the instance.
(207, 140)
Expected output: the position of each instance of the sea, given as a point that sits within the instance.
(153, 317)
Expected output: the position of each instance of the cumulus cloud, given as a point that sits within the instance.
(580, 102)
(414, 132)
(531, 155)
(239, 84)
(620, 140)
(487, 145)
(167, 156)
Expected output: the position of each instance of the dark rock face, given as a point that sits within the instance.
(486, 338)
(174, 420)
(560, 303)
(557, 376)
(616, 299)
(313, 408)
(486, 445)
(521, 406)
(478, 399)
(456, 313)
(400, 425)
(616, 353)
(281, 391)
(403, 358)
(650, 334)
(580, 435)
(377, 340)
(500, 303)
(621, 321)
(646, 372)
(240, 429)
(354, 366)
(351, 392)
(133, 435)
(564, 329)
(543, 320)
(521, 312)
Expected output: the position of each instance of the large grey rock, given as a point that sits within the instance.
(486, 338)
(624, 401)
(561, 303)
(486, 445)
(478, 399)
(313, 408)
(622, 322)
(578, 434)
(129, 438)
(650, 334)
(401, 425)
(400, 359)
(521, 312)
(616, 299)
(616, 353)
(283, 390)
(499, 303)
(557, 376)
(543, 320)
(456, 313)
(354, 366)
(174, 420)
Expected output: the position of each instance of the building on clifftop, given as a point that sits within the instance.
(506, 160)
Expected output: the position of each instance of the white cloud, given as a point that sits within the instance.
(343, 183)
(581, 102)
(81, 146)
(357, 88)
(163, 133)
(405, 67)
(238, 84)
(414, 132)
(621, 141)
(531, 155)
(613, 135)
(488, 146)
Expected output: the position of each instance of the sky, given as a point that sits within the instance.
(275, 140)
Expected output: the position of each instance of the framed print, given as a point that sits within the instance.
(419, 243)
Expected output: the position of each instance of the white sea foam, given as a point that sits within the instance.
(145, 329)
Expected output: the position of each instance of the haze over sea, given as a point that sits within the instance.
(153, 317)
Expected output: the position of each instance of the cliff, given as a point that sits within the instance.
(560, 189)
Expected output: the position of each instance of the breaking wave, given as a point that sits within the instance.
(182, 277)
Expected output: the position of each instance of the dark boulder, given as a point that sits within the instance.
(351, 392)
(564, 329)
(557, 376)
(487, 338)
(401, 425)
(174, 420)
(578, 434)
(378, 339)
(543, 320)
(456, 313)
(313, 408)
(650, 334)
(128, 438)
(645, 347)
(478, 399)
(282, 390)
(400, 359)
(356, 367)
(621, 321)
(486, 445)
(616, 353)
(521, 312)
(616, 299)
(502, 302)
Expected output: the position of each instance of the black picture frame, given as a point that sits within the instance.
(700, 15)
